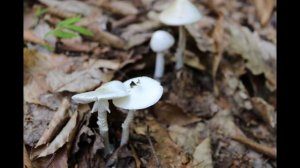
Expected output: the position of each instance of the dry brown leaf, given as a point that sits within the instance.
(72, 6)
(88, 156)
(260, 60)
(139, 28)
(171, 114)
(264, 10)
(191, 60)
(78, 81)
(199, 32)
(58, 159)
(36, 119)
(33, 90)
(106, 38)
(51, 101)
(59, 119)
(78, 46)
(223, 122)
(138, 39)
(119, 7)
(186, 137)
(31, 37)
(62, 138)
(167, 151)
(26, 160)
(265, 110)
(202, 157)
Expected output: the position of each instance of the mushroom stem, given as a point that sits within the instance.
(159, 66)
(102, 108)
(181, 47)
(125, 127)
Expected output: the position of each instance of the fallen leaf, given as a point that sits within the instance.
(58, 159)
(202, 156)
(264, 10)
(138, 28)
(167, 151)
(223, 122)
(72, 6)
(52, 101)
(88, 156)
(186, 137)
(26, 160)
(106, 38)
(260, 60)
(265, 110)
(36, 119)
(59, 119)
(61, 138)
(119, 7)
(171, 114)
(192, 60)
(78, 81)
(138, 39)
(199, 32)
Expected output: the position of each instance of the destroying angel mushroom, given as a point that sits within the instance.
(160, 42)
(180, 13)
(108, 91)
(143, 92)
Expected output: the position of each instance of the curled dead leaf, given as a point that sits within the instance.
(62, 138)
(55, 124)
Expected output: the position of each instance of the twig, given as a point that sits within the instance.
(135, 156)
(124, 21)
(152, 148)
(270, 151)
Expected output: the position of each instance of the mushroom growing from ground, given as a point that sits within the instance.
(108, 91)
(159, 43)
(180, 13)
(143, 92)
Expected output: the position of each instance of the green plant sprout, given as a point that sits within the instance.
(40, 11)
(67, 29)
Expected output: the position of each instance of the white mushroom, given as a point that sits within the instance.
(180, 13)
(108, 91)
(143, 92)
(159, 43)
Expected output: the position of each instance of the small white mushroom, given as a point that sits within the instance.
(180, 13)
(159, 43)
(108, 91)
(143, 92)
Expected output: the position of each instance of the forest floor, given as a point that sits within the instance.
(218, 111)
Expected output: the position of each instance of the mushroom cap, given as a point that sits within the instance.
(161, 41)
(143, 92)
(107, 91)
(180, 12)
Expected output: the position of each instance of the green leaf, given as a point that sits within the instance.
(48, 47)
(69, 21)
(78, 29)
(61, 34)
(40, 11)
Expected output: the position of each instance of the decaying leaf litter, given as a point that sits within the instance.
(218, 111)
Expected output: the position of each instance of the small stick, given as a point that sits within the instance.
(124, 21)
(135, 156)
(256, 146)
(152, 148)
